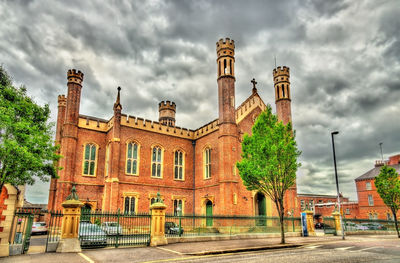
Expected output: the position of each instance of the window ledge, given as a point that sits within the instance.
(155, 177)
(135, 175)
(86, 175)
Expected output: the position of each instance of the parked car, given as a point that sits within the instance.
(91, 235)
(319, 225)
(351, 226)
(172, 228)
(374, 226)
(111, 228)
(39, 228)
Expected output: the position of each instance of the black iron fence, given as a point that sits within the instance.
(197, 225)
(101, 229)
(53, 230)
(21, 231)
(368, 225)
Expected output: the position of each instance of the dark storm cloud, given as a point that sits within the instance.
(344, 59)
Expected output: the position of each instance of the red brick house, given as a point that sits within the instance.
(370, 203)
(122, 162)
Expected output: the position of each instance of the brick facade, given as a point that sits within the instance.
(110, 187)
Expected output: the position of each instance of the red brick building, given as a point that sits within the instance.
(121, 163)
(370, 203)
(325, 205)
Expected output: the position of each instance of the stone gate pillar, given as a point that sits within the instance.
(157, 230)
(70, 224)
(310, 222)
(336, 217)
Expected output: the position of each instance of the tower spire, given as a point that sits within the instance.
(117, 104)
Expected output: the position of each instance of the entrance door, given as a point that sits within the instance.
(209, 213)
(262, 209)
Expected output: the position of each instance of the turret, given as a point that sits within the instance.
(167, 112)
(226, 57)
(75, 79)
(226, 80)
(282, 94)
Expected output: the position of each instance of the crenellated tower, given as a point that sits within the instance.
(284, 113)
(226, 80)
(69, 133)
(228, 135)
(167, 112)
(282, 94)
(62, 104)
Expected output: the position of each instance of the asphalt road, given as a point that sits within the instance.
(354, 249)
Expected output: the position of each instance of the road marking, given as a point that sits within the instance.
(364, 249)
(170, 250)
(342, 248)
(86, 257)
(313, 247)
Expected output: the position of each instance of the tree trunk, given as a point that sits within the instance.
(281, 211)
(395, 223)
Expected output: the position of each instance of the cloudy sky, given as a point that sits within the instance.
(344, 58)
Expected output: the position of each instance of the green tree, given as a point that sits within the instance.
(269, 160)
(387, 184)
(26, 145)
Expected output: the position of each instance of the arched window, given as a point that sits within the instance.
(207, 163)
(230, 66)
(277, 88)
(219, 68)
(156, 162)
(130, 205)
(283, 91)
(90, 159)
(178, 204)
(132, 158)
(107, 160)
(225, 68)
(179, 166)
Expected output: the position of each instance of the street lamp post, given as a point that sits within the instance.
(337, 181)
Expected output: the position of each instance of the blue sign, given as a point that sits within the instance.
(304, 224)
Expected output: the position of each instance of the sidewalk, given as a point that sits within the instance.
(171, 251)
(239, 245)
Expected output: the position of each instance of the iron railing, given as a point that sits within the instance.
(101, 229)
(53, 230)
(198, 225)
(22, 229)
(354, 224)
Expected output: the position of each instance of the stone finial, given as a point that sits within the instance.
(73, 195)
(254, 85)
(117, 104)
(159, 199)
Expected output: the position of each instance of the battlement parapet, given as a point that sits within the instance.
(225, 44)
(248, 106)
(154, 126)
(75, 76)
(62, 100)
(167, 105)
(279, 71)
(206, 129)
(379, 163)
(93, 123)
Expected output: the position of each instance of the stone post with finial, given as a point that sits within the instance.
(336, 217)
(157, 236)
(70, 224)
(310, 221)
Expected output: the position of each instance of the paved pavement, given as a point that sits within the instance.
(192, 250)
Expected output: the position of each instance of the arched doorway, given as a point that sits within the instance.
(209, 213)
(261, 208)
